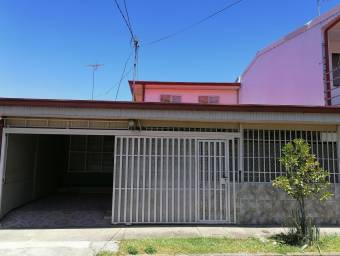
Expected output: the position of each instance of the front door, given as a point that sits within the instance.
(214, 181)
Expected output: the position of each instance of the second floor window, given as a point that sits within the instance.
(336, 69)
(209, 99)
(171, 98)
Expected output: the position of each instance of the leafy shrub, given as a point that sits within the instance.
(150, 249)
(132, 250)
(304, 178)
(295, 234)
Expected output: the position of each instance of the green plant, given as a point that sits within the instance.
(304, 178)
(150, 249)
(294, 236)
(132, 250)
(105, 253)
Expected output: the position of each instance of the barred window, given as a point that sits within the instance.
(171, 98)
(262, 151)
(90, 153)
(208, 99)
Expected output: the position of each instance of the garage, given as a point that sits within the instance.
(52, 180)
(104, 177)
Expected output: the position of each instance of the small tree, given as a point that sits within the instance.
(304, 178)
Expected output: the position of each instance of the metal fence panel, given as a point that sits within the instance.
(156, 180)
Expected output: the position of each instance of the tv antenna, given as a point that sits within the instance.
(94, 69)
(318, 6)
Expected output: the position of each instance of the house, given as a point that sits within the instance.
(185, 92)
(186, 152)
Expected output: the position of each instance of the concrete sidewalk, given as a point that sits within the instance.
(138, 232)
(87, 242)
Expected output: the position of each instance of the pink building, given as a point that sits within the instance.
(185, 92)
(303, 68)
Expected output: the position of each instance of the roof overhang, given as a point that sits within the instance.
(86, 109)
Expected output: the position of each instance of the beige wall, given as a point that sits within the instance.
(31, 170)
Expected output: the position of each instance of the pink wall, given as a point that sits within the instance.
(289, 74)
(191, 96)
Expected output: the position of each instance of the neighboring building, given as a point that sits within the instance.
(303, 68)
(300, 69)
(185, 152)
(185, 92)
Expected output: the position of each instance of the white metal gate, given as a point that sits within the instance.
(159, 180)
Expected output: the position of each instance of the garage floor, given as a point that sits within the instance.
(62, 210)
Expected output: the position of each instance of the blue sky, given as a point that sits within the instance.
(45, 45)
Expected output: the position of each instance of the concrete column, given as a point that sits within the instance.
(338, 144)
(2, 160)
(1, 130)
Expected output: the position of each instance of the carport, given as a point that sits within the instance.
(47, 173)
(143, 176)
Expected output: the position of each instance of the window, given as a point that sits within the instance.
(90, 154)
(262, 150)
(208, 99)
(336, 69)
(171, 99)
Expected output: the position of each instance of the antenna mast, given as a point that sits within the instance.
(94, 69)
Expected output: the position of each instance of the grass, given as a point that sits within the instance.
(221, 245)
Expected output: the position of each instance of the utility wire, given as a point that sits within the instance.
(127, 22)
(194, 24)
(127, 15)
(134, 41)
(123, 75)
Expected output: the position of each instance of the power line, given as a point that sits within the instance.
(123, 75)
(134, 41)
(127, 22)
(195, 23)
(127, 15)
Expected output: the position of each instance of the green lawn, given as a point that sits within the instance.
(220, 245)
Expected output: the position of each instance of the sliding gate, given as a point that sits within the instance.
(174, 180)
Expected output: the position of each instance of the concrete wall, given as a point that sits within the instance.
(19, 169)
(1, 131)
(32, 166)
(261, 204)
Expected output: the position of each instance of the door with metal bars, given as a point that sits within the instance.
(216, 184)
(172, 180)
